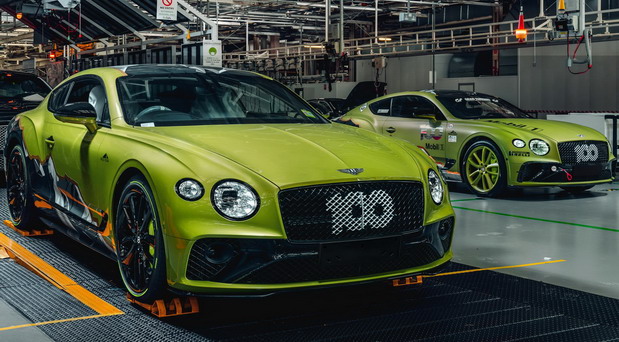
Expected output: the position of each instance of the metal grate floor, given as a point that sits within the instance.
(481, 306)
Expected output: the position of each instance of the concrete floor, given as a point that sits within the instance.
(547, 224)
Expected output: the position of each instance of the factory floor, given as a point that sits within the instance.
(553, 276)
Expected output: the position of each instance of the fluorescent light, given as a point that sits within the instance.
(384, 39)
(313, 46)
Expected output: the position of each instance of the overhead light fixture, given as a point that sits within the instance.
(384, 39)
(313, 46)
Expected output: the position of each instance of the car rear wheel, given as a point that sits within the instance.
(484, 169)
(139, 242)
(19, 190)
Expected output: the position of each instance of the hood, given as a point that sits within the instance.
(558, 131)
(298, 154)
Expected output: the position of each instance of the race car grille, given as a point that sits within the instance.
(199, 267)
(310, 268)
(351, 211)
(581, 152)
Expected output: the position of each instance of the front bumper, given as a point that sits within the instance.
(554, 173)
(220, 266)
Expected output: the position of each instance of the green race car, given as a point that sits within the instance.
(488, 143)
(222, 182)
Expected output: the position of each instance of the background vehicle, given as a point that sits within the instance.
(330, 108)
(218, 181)
(488, 143)
(19, 92)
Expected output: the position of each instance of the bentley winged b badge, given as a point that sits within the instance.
(353, 172)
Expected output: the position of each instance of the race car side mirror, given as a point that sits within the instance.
(78, 113)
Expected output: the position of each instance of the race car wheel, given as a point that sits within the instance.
(484, 169)
(19, 190)
(139, 242)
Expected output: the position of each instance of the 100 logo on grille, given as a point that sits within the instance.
(586, 153)
(357, 211)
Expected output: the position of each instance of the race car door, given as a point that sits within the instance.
(417, 120)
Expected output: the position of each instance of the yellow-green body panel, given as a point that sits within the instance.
(500, 131)
(269, 157)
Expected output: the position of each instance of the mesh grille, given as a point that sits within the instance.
(350, 211)
(309, 268)
(2, 142)
(198, 268)
(579, 152)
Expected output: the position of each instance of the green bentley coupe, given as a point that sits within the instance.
(221, 182)
(488, 143)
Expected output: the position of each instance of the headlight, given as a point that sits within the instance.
(234, 200)
(539, 147)
(519, 143)
(436, 187)
(189, 189)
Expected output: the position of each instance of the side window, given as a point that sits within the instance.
(90, 90)
(414, 107)
(59, 97)
(382, 107)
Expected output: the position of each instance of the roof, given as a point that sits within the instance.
(149, 69)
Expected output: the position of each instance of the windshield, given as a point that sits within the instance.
(479, 106)
(19, 86)
(208, 98)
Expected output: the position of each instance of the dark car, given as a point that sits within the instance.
(19, 92)
(331, 108)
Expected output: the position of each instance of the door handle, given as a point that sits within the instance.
(50, 142)
(390, 130)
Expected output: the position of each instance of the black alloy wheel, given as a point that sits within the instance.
(19, 190)
(139, 242)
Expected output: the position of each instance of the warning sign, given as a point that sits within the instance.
(167, 9)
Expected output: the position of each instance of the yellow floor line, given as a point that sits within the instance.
(37, 265)
(58, 321)
(493, 268)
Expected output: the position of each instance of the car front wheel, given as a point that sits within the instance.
(139, 242)
(484, 169)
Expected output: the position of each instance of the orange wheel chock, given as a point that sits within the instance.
(408, 281)
(174, 307)
(4, 254)
(33, 232)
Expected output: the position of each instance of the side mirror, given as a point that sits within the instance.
(82, 113)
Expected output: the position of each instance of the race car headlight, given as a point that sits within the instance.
(189, 189)
(436, 187)
(539, 147)
(519, 143)
(234, 200)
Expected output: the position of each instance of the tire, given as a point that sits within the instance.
(141, 256)
(577, 189)
(19, 191)
(484, 170)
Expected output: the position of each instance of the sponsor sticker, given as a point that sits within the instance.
(308, 113)
(431, 133)
(435, 147)
(452, 137)
(519, 154)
